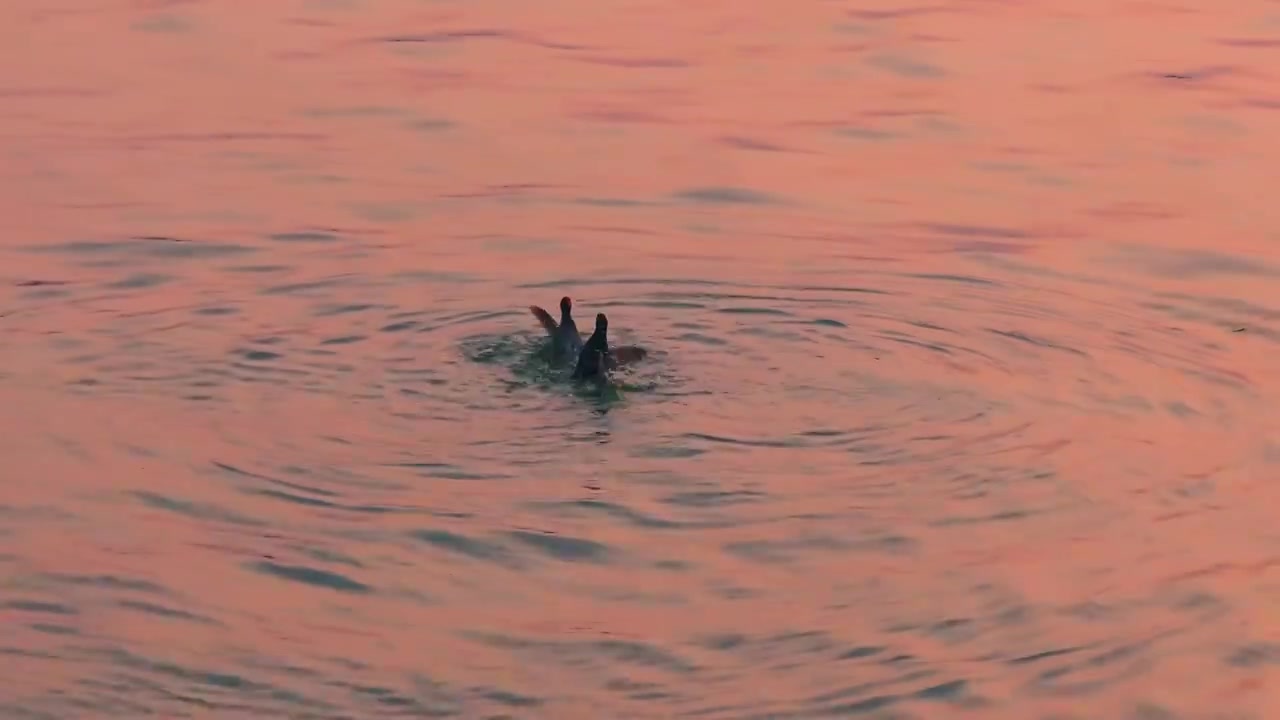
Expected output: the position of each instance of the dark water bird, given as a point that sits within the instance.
(565, 340)
(596, 357)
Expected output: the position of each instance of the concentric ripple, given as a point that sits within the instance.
(959, 398)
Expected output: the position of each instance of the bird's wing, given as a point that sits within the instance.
(627, 354)
(544, 317)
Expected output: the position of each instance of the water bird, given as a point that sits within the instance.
(565, 340)
(596, 357)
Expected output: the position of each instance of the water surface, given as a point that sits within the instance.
(961, 397)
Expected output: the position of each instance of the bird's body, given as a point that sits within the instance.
(594, 356)
(565, 340)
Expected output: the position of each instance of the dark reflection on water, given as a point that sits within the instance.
(958, 399)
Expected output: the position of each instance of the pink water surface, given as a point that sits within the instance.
(961, 400)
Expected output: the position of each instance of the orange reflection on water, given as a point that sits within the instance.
(961, 395)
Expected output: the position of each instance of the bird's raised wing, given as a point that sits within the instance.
(544, 317)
